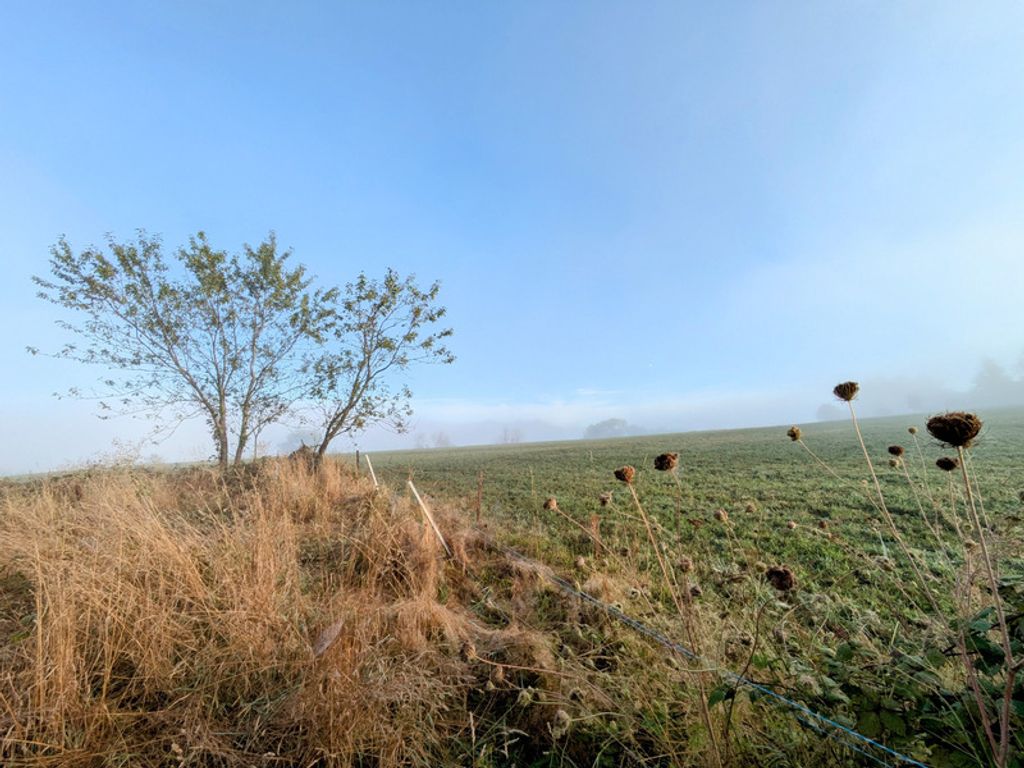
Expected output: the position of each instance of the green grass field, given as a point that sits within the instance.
(726, 470)
(856, 597)
(717, 468)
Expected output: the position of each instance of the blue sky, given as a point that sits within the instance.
(683, 214)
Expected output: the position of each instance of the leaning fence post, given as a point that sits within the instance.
(373, 474)
(430, 518)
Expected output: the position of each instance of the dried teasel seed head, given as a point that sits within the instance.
(721, 515)
(685, 564)
(666, 462)
(551, 503)
(894, 463)
(751, 508)
(605, 498)
(468, 651)
(956, 428)
(947, 463)
(781, 577)
(794, 434)
(625, 474)
(823, 524)
(847, 390)
(695, 590)
(896, 450)
(581, 563)
(791, 524)
(912, 430)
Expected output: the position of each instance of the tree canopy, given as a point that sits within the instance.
(241, 339)
(380, 327)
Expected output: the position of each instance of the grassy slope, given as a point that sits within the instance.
(718, 468)
(855, 594)
(205, 656)
(283, 617)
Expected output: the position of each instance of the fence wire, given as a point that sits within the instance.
(827, 727)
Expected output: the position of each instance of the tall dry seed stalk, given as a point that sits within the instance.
(684, 607)
(846, 392)
(957, 430)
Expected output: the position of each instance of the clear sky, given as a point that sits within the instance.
(681, 214)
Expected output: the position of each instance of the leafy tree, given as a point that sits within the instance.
(611, 428)
(378, 327)
(217, 335)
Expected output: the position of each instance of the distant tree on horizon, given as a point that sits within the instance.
(510, 436)
(611, 428)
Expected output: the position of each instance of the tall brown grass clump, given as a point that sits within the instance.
(287, 615)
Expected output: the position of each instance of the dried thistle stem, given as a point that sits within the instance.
(825, 465)
(889, 519)
(1004, 632)
(687, 620)
(924, 469)
(920, 509)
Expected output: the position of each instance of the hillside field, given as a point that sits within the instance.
(782, 506)
(284, 614)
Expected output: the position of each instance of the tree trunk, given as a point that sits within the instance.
(240, 448)
(223, 449)
(243, 435)
(321, 450)
(220, 440)
(222, 452)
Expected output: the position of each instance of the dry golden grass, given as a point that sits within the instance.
(291, 615)
(278, 617)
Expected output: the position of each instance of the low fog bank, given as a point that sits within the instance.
(993, 387)
(71, 436)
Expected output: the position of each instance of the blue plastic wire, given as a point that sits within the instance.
(839, 728)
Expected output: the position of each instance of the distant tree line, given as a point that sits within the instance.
(242, 340)
(612, 428)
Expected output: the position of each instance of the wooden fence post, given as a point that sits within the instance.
(430, 518)
(373, 474)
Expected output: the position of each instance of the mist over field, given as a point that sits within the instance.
(443, 423)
